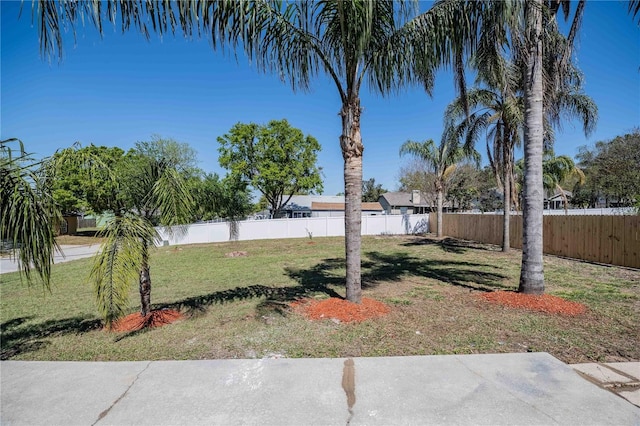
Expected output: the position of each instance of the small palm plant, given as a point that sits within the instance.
(124, 256)
(150, 191)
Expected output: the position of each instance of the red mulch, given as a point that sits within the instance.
(544, 303)
(340, 309)
(136, 321)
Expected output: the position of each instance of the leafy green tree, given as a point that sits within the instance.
(176, 154)
(276, 159)
(463, 187)
(28, 214)
(216, 198)
(442, 160)
(371, 191)
(622, 155)
(82, 178)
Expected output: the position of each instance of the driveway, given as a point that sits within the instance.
(67, 254)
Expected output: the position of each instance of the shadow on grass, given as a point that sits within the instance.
(310, 283)
(329, 273)
(19, 338)
(450, 245)
(393, 267)
(377, 268)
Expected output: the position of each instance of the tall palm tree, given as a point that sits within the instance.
(498, 107)
(497, 110)
(355, 43)
(442, 160)
(545, 55)
(28, 215)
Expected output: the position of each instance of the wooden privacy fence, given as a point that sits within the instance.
(612, 239)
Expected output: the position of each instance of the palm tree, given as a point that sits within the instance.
(28, 215)
(556, 170)
(355, 43)
(545, 55)
(497, 110)
(148, 190)
(442, 161)
(498, 107)
(128, 237)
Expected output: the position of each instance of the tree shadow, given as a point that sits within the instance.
(314, 280)
(18, 338)
(393, 267)
(450, 245)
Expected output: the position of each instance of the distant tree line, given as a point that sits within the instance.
(611, 172)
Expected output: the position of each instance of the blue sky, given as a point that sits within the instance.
(121, 89)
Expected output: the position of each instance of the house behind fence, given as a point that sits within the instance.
(609, 239)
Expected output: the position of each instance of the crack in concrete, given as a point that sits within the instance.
(105, 412)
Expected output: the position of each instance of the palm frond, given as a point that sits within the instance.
(28, 216)
(172, 198)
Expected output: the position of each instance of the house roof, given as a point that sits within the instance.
(558, 195)
(403, 199)
(303, 202)
(340, 206)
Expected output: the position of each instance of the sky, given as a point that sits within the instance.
(121, 88)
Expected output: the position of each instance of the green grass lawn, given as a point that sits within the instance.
(237, 307)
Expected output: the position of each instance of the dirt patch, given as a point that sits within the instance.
(340, 310)
(236, 254)
(544, 303)
(136, 321)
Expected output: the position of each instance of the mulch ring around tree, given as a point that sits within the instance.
(136, 321)
(340, 310)
(543, 303)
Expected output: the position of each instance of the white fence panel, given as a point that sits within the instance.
(292, 228)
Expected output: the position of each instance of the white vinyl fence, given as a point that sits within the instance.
(291, 228)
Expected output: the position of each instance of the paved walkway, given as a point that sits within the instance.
(621, 378)
(508, 389)
(67, 254)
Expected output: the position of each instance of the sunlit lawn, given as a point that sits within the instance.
(237, 307)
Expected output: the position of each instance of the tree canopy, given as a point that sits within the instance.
(276, 159)
(215, 198)
(84, 178)
(612, 171)
(372, 191)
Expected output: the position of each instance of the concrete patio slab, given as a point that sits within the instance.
(630, 368)
(525, 388)
(631, 396)
(601, 373)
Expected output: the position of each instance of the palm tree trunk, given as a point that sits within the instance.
(531, 272)
(352, 148)
(506, 191)
(439, 213)
(145, 284)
